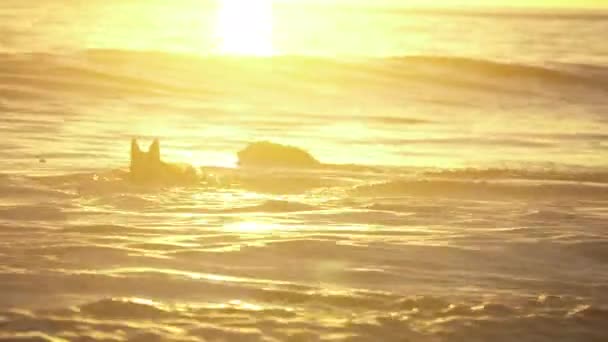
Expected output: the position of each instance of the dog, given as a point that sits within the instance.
(146, 168)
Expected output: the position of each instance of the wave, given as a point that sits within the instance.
(484, 190)
(562, 74)
(274, 206)
(273, 168)
(521, 174)
(32, 213)
(47, 74)
(415, 318)
(121, 194)
(594, 250)
(110, 72)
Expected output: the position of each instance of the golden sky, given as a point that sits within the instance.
(527, 3)
(473, 3)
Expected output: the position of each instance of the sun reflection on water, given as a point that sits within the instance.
(252, 227)
(143, 301)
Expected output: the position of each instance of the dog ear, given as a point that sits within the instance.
(134, 147)
(154, 151)
(135, 154)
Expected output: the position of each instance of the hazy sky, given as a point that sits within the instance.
(526, 3)
(475, 3)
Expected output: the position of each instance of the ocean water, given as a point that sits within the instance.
(463, 194)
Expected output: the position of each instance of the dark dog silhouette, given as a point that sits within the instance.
(148, 168)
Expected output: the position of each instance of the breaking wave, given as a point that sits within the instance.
(110, 72)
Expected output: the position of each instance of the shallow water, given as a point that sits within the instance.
(463, 197)
(332, 258)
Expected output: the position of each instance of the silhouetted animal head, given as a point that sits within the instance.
(147, 168)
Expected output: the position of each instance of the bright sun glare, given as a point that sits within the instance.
(244, 27)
